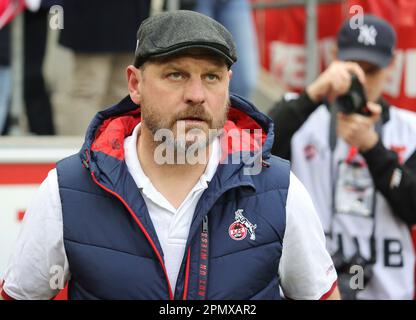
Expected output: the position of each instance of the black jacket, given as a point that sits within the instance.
(289, 116)
(5, 46)
(102, 26)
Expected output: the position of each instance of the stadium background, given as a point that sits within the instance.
(24, 162)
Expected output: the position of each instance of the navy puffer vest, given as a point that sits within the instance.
(111, 244)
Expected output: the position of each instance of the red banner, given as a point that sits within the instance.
(281, 35)
(18, 183)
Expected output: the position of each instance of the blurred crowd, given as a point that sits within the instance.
(98, 37)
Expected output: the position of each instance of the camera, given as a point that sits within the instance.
(344, 269)
(354, 101)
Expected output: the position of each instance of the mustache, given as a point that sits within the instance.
(194, 112)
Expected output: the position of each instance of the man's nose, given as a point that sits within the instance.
(194, 92)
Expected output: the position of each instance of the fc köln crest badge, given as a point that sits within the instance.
(241, 226)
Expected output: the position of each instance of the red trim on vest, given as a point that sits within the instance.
(243, 121)
(111, 134)
(326, 295)
(159, 257)
(188, 262)
(246, 140)
(244, 125)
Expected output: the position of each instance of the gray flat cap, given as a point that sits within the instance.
(169, 33)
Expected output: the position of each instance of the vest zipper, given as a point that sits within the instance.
(142, 228)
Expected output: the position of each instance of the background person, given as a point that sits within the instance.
(236, 16)
(36, 96)
(99, 35)
(360, 170)
(5, 78)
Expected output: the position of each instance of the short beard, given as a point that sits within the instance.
(155, 123)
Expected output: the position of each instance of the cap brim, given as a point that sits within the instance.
(357, 54)
(177, 51)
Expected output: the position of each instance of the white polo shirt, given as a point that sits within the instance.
(171, 225)
(306, 270)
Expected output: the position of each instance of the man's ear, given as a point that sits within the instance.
(134, 78)
(230, 74)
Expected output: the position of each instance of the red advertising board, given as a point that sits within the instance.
(281, 35)
(20, 181)
(24, 164)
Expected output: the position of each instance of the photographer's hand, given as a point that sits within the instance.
(358, 130)
(334, 81)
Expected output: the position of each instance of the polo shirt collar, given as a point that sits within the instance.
(143, 182)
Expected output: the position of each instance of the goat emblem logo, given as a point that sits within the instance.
(241, 226)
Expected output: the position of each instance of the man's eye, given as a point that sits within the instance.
(212, 77)
(175, 76)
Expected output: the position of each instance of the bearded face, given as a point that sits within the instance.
(193, 126)
(187, 96)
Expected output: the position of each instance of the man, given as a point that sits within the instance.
(98, 34)
(37, 102)
(359, 169)
(122, 223)
(236, 16)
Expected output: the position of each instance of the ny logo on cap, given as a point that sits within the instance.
(367, 35)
